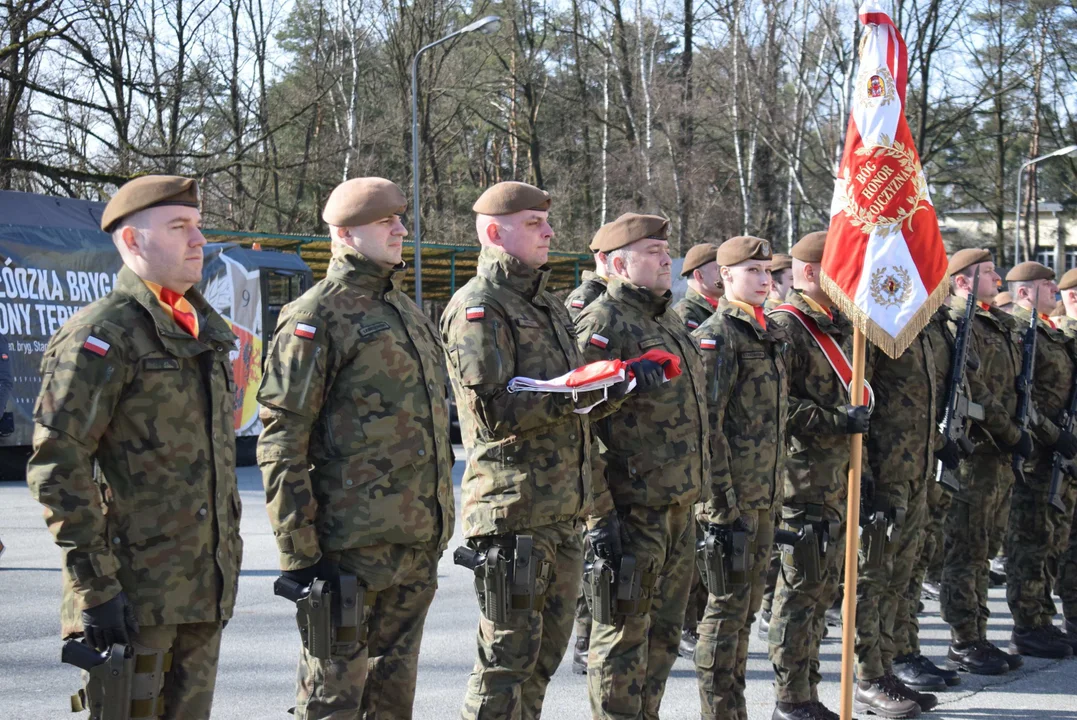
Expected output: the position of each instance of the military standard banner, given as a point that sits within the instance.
(884, 264)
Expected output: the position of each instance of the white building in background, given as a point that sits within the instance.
(975, 227)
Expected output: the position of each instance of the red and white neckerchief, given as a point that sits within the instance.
(176, 306)
(599, 375)
(884, 264)
(1044, 317)
(831, 351)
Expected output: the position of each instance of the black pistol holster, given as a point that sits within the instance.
(722, 558)
(506, 575)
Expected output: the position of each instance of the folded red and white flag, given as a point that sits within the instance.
(884, 263)
(599, 375)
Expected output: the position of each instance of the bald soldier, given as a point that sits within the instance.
(985, 476)
(528, 474)
(821, 419)
(356, 458)
(655, 453)
(1034, 541)
(134, 458)
(747, 389)
(593, 285)
(704, 286)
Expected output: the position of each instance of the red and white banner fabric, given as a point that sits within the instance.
(884, 263)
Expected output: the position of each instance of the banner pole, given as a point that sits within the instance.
(852, 535)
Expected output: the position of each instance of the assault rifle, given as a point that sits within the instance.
(1060, 466)
(958, 407)
(1024, 383)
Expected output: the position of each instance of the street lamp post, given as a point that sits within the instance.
(487, 25)
(1020, 174)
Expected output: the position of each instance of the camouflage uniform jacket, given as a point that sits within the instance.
(1053, 379)
(748, 390)
(134, 458)
(655, 446)
(592, 286)
(818, 455)
(1067, 325)
(693, 309)
(994, 383)
(909, 394)
(528, 453)
(355, 450)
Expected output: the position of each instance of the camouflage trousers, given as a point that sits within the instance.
(187, 687)
(722, 651)
(969, 528)
(1066, 587)
(1035, 542)
(629, 661)
(1000, 528)
(798, 617)
(906, 623)
(772, 581)
(583, 613)
(517, 658)
(881, 591)
(697, 601)
(375, 679)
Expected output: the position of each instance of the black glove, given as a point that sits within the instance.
(1066, 445)
(110, 623)
(949, 455)
(857, 419)
(649, 375)
(605, 538)
(321, 570)
(1023, 447)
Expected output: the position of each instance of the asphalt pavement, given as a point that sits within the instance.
(260, 647)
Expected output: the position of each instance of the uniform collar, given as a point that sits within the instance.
(828, 320)
(593, 277)
(812, 305)
(502, 269)
(751, 314)
(1023, 315)
(692, 295)
(354, 268)
(212, 329)
(623, 291)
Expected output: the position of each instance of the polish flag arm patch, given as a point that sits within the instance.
(475, 313)
(692, 324)
(578, 304)
(599, 341)
(304, 330)
(96, 345)
(708, 343)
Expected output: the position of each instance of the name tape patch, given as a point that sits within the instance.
(368, 330)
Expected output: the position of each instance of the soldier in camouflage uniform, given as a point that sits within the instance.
(1035, 541)
(821, 420)
(747, 390)
(781, 273)
(593, 285)
(134, 455)
(704, 286)
(901, 452)
(656, 454)
(984, 475)
(355, 454)
(529, 459)
(1066, 585)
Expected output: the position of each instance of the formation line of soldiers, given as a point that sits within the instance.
(639, 499)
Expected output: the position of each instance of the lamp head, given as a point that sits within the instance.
(487, 25)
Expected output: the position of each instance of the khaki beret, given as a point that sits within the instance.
(744, 247)
(1003, 298)
(146, 192)
(967, 258)
(1030, 270)
(698, 256)
(1069, 280)
(361, 201)
(809, 248)
(507, 198)
(780, 261)
(627, 229)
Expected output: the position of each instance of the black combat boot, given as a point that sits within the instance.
(579, 654)
(1038, 642)
(1014, 661)
(930, 590)
(687, 648)
(926, 701)
(915, 671)
(826, 713)
(977, 658)
(795, 711)
(1056, 632)
(880, 697)
(1071, 634)
(764, 624)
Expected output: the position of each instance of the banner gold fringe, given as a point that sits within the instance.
(892, 346)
